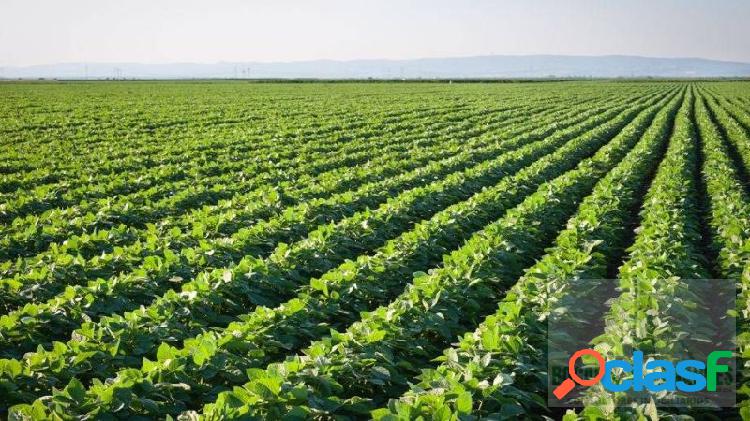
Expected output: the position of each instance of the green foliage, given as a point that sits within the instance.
(275, 251)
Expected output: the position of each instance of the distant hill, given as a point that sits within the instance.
(495, 66)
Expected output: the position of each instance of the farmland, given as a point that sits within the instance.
(354, 250)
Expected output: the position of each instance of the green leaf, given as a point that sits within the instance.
(464, 402)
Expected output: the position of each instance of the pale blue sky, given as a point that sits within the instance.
(154, 31)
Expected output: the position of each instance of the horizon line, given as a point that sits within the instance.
(377, 59)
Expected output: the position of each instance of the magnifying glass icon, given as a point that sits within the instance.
(568, 384)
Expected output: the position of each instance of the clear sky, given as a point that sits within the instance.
(157, 31)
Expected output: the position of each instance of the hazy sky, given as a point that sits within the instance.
(153, 31)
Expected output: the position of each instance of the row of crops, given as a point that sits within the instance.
(388, 251)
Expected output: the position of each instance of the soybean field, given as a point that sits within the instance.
(241, 250)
